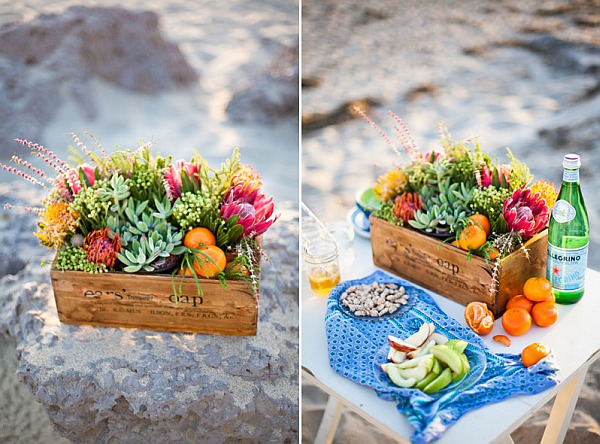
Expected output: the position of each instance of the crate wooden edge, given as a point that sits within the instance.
(507, 266)
(248, 311)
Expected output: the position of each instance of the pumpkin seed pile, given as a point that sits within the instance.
(374, 299)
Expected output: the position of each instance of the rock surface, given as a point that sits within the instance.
(272, 95)
(39, 57)
(124, 385)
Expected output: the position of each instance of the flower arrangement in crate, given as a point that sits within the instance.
(134, 212)
(462, 194)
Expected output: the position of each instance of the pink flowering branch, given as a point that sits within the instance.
(98, 144)
(382, 133)
(32, 168)
(21, 174)
(406, 138)
(43, 153)
(26, 208)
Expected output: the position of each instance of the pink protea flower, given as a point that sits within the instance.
(525, 212)
(255, 210)
(173, 181)
(487, 176)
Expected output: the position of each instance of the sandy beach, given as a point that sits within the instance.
(229, 45)
(511, 73)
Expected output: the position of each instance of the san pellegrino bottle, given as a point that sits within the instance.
(568, 237)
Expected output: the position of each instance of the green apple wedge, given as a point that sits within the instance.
(448, 356)
(441, 381)
(433, 373)
(394, 373)
(418, 372)
(457, 345)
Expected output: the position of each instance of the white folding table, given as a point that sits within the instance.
(574, 340)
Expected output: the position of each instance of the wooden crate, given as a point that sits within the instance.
(443, 268)
(117, 299)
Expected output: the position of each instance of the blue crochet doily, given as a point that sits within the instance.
(357, 347)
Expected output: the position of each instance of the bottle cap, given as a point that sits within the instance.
(571, 161)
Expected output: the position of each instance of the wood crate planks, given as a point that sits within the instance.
(117, 299)
(443, 268)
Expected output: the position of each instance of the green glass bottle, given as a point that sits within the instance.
(568, 237)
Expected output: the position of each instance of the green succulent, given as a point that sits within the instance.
(444, 207)
(116, 191)
(151, 251)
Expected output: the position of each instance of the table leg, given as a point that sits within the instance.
(562, 410)
(330, 421)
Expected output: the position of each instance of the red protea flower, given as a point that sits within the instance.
(181, 177)
(525, 212)
(405, 206)
(494, 175)
(100, 248)
(254, 209)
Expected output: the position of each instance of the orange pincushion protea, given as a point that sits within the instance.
(100, 248)
(405, 206)
(547, 191)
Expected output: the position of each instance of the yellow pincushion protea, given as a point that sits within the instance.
(547, 191)
(389, 185)
(56, 222)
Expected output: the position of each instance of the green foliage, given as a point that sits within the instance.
(520, 175)
(217, 182)
(92, 209)
(489, 202)
(75, 259)
(386, 213)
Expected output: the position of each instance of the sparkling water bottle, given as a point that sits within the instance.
(568, 237)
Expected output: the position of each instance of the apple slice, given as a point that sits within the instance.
(449, 357)
(394, 373)
(416, 361)
(420, 337)
(422, 350)
(400, 345)
(442, 380)
(419, 372)
(438, 338)
(398, 356)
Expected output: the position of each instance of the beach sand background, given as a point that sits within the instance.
(518, 74)
(229, 44)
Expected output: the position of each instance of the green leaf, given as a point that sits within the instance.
(83, 178)
(132, 268)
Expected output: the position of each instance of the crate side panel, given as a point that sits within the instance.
(430, 263)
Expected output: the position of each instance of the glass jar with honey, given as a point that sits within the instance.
(322, 266)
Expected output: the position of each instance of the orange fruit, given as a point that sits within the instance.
(472, 236)
(494, 253)
(184, 271)
(483, 222)
(239, 268)
(534, 353)
(520, 301)
(538, 289)
(516, 321)
(544, 313)
(199, 237)
(479, 318)
(503, 339)
(206, 267)
(454, 242)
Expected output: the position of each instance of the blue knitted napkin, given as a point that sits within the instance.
(357, 348)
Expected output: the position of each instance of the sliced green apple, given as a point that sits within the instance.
(394, 373)
(448, 356)
(441, 381)
(425, 381)
(457, 345)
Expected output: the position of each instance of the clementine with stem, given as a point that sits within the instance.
(199, 237)
(534, 353)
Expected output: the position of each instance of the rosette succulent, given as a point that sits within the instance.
(525, 212)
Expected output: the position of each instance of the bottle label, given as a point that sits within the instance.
(563, 211)
(566, 267)
(571, 175)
